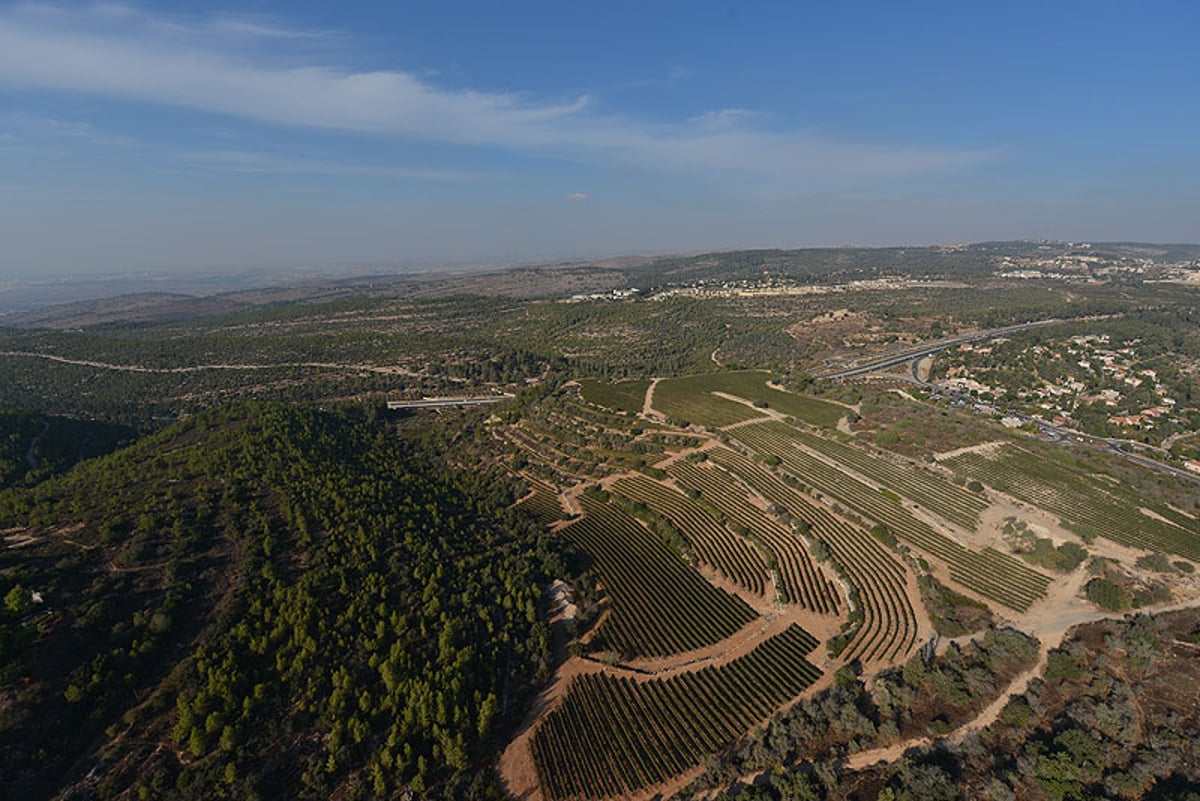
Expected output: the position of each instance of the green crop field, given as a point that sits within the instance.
(935, 493)
(889, 622)
(799, 579)
(542, 503)
(711, 542)
(624, 396)
(690, 398)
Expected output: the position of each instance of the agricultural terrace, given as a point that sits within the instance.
(951, 502)
(887, 628)
(582, 440)
(542, 503)
(658, 604)
(612, 736)
(800, 581)
(1085, 505)
(691, 399)
(710, 541)
(590, 413)
(990, 573)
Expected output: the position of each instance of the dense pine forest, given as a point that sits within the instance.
(300, 605)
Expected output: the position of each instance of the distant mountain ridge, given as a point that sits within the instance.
(555, 280)
(140, 307)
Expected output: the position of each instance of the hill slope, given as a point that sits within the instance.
(261, 601)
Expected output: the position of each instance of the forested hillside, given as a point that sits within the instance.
(264, 601)
(34, 446)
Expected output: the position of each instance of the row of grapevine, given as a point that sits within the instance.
(889, 626)
(612, 736)
(542, 503)
(1080, 501)
(990, 573)
(801, 581)
(659, 604)
(712, 543)
(953, 503)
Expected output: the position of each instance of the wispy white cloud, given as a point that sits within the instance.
(32, 128)
(242, 66)
(724, 119)
(668, 81)
(578, 197)
(237, 161)
(261, 28)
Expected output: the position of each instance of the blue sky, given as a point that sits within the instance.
(188, 135)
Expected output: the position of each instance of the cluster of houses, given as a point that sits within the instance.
(1090, 352)
(1081, 266)
(771, 287)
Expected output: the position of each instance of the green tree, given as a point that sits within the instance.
(18, 600)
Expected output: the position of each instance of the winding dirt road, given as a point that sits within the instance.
(137, 368)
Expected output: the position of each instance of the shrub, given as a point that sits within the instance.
(1061, 665)
(887, 438)
(1109, 595)
(884, 534)
(1157, 562)
(1070, 556)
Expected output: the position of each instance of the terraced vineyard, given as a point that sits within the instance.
(1084, 504)
(953, 503)
(659, 605)
(541, 450)
(801, 582)
(600, 415)
(542, 502)
(612, 736)
(889, 627)
(712, 542)
(992, 574)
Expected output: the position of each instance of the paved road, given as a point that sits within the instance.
(442, 403)
(913, 356)
(1153, 463)
(1063, 436)
(897, 358)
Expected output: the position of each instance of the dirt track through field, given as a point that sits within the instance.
(648, 403)
(137, 368)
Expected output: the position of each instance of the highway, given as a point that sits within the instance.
(1067, 436)
(912, 356)
(442, 403)
(898, 358)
